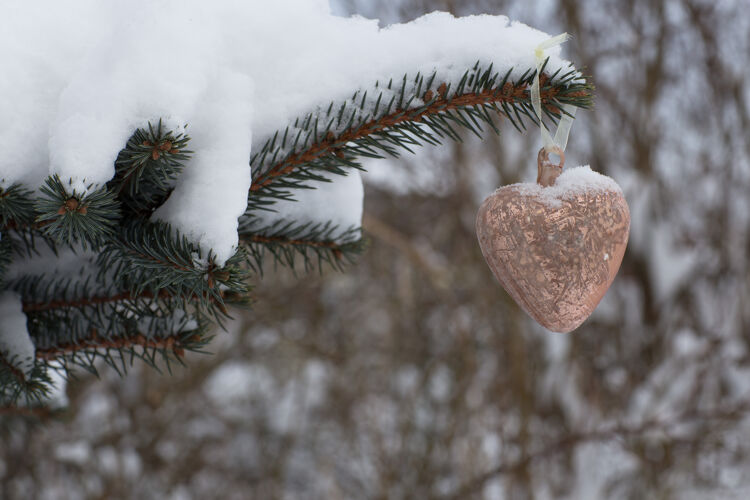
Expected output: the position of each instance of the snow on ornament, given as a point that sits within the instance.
(556, 246)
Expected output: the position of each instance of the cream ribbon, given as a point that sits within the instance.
(566, 121)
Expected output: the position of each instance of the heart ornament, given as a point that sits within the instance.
(556, 246)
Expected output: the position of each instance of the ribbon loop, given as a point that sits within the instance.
(568, 112)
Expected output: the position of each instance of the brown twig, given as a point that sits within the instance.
(24, 411)
(94, 341)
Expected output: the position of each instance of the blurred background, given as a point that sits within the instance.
(414, 375)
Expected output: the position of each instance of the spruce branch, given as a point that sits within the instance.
(16, 207)
(176, 343)
(147, 168)
(64, 311)
(152, 341)
(6, 255)
(70, 217)
(18, 214)
(392, 118)
(12, 369)
(16, 386)
(151, 257)
(53, 327)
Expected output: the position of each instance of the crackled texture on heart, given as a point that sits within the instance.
(556, 262)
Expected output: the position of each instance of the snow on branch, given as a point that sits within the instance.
(234, 73)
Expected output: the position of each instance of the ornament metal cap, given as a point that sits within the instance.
(548, 172)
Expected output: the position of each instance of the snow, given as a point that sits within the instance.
(572, 182)
(211, 194)
(15, 344)
(339, 201)
(233, 72)
(57, 397)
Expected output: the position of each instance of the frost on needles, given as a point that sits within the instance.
(150, 163)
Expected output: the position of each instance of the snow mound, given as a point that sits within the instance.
(572, 182)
